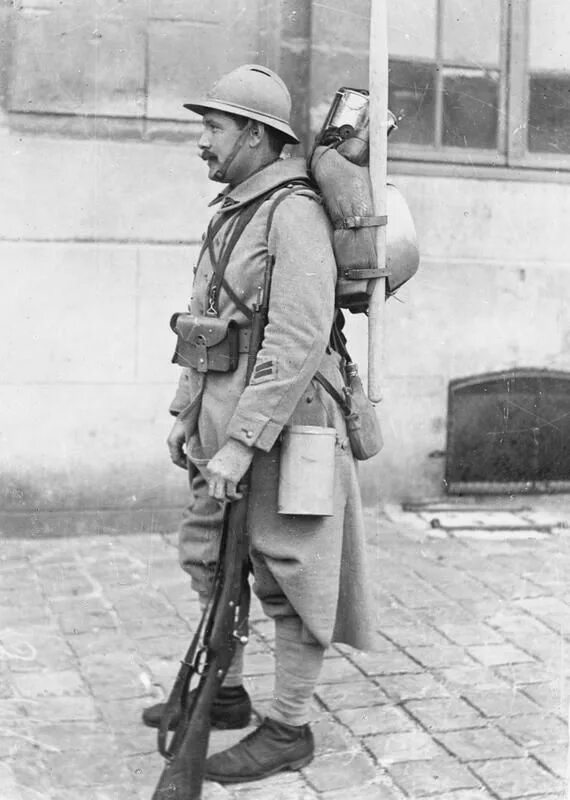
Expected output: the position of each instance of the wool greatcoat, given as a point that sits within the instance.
(312, 566)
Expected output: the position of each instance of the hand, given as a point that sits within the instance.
(227, 468)
(176, 444)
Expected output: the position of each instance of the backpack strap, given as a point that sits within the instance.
(291, 188)
(243, 217)
(220, 264)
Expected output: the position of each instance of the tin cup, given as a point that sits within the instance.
(307, 471)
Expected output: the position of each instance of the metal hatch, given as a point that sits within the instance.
(509, 432)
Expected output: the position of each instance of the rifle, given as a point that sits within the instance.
(223, 624)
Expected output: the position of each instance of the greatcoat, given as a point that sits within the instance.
(312, 566)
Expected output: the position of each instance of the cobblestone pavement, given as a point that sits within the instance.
(465, 698)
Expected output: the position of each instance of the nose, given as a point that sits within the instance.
(204, 141)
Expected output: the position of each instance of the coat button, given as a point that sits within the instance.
(249, 434)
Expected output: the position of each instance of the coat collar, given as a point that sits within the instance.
(276, 173)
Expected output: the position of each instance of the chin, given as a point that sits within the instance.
(213, 176)
(212, 171)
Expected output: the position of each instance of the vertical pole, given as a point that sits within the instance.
(378, 86)
(7, 46)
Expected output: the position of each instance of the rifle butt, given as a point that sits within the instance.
(183, 775)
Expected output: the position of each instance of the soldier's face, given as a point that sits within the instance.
(219, 137)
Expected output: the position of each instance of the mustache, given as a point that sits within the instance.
(205, 155)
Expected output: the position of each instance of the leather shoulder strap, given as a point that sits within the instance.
(246, 214)
(327, 385)
(302, 187)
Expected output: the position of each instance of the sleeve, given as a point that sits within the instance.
(300, 315)
(182, 397)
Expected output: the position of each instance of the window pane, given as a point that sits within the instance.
(470, 108)
(549, 114)
(471, 32)
(549, 35)
(412, 29)
(411, 96)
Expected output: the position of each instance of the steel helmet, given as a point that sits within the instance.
(250, 91)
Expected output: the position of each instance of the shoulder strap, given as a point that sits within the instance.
(291, 188)
(327, 385)
(336, 335)
(246, 214)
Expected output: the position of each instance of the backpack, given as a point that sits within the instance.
(347, 197)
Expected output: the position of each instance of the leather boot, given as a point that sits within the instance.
(271, 748)
(231, 709)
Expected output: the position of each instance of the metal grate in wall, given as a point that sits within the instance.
(509, 432)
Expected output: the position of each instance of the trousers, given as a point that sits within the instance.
(298, 656)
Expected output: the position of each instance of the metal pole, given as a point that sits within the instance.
(378, 85)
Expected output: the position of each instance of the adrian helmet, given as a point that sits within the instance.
(250, 91)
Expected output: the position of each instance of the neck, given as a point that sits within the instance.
(254, 170)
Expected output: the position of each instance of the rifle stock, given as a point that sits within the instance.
(224, 624)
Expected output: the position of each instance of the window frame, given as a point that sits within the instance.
(520, 155)
(513, 105)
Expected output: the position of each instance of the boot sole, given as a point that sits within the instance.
(293, 766)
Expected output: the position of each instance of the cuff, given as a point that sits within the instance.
(182, 397)
(254, 431)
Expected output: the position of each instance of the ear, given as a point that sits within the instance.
(256, 133)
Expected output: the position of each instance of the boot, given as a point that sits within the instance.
(231, 709)
(271, 748)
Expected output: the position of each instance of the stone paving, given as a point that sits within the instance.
(465, 698)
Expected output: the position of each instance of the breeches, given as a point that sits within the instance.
(314, 565)
(299, 656)
(199, 543)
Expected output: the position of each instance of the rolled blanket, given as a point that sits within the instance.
(347, 195)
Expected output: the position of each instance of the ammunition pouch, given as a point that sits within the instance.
(207, 344)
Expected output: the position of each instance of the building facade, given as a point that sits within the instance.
(103, 202)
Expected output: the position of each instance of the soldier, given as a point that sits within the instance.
(308, 571)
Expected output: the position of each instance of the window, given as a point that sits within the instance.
(485, 82)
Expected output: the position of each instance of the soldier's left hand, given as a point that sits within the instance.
(227, 468)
